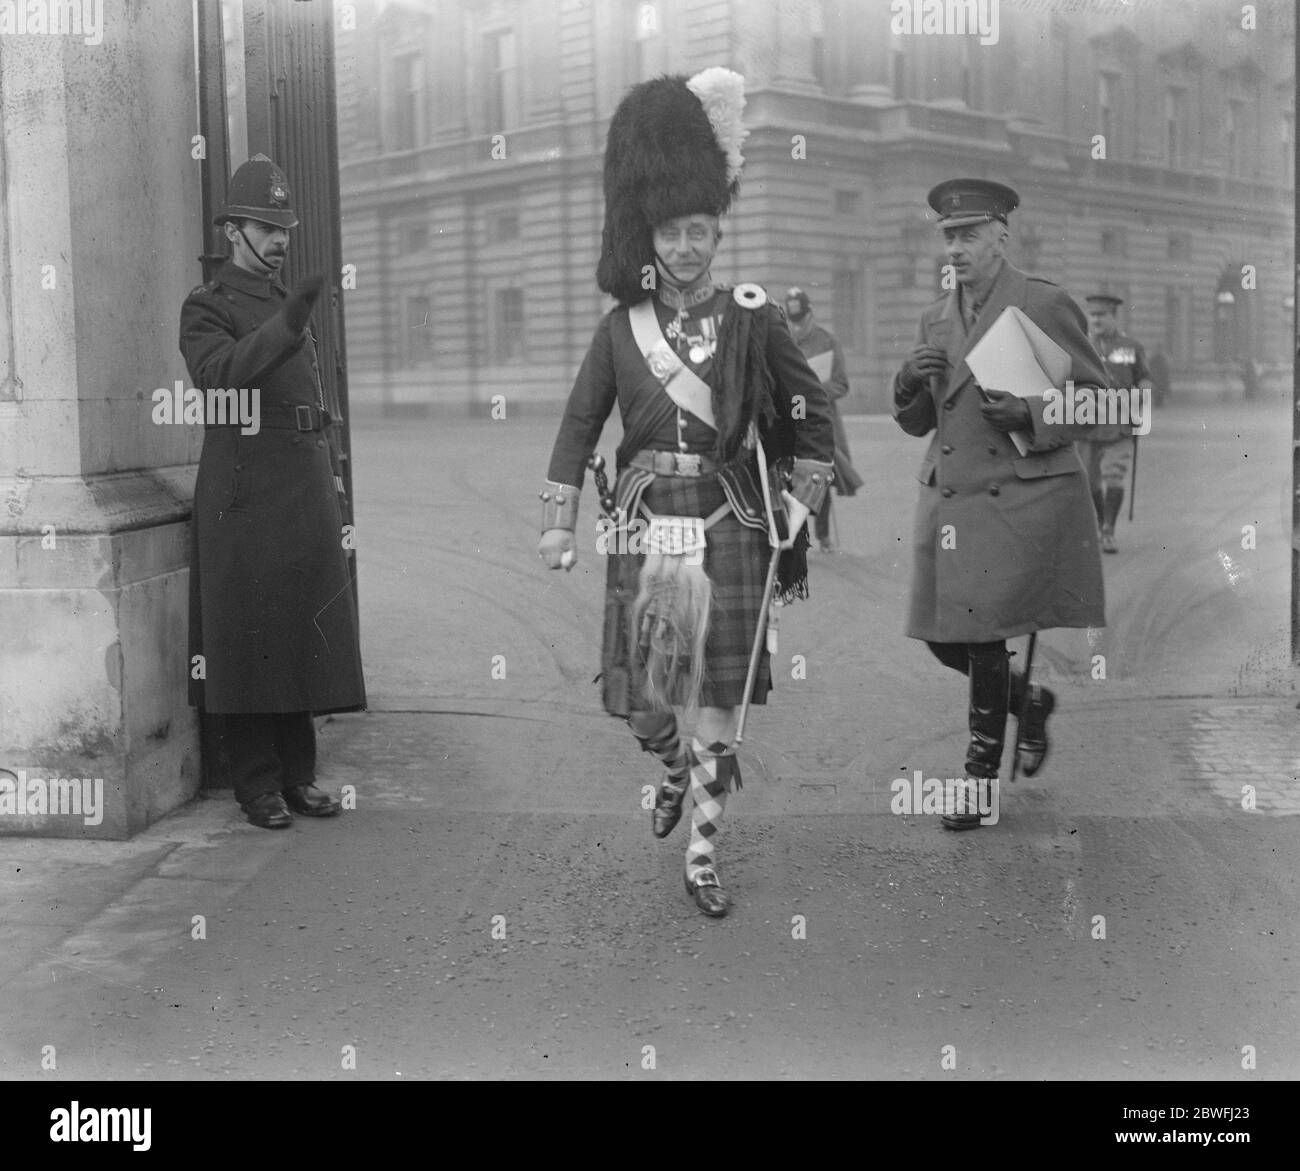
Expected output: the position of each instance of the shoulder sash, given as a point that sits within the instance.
(686, 388)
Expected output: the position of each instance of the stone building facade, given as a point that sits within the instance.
(1153, 145)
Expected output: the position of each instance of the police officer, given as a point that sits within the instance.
(1109, 453)
(1003, 544)
(273, 624)
(827, 361)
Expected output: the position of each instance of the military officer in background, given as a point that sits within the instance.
(273, 621)
(827, 361)
(1109, 453)
(1003, 544)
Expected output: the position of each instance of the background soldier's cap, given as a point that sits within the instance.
(793, 296)
(1108, 299)
(961, 202)
(259, 191)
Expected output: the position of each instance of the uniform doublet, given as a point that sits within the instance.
(615, 371)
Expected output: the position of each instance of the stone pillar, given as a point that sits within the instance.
(98, 249)
(865, 28)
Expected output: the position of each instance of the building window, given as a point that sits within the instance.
(502, 79)
(1175, 127)
(848, 203)
(1288, 150)
(649, 41)
(1180, 247)
(508, 326)
(846, 293)
(1107, 98)
(1176, 332)
(898, 74)
(503, 226)
(405, 101)
(1228, 320)
(417, 330)
(412, 238)
(1114, 242)
(817, 44)
(1232, 136)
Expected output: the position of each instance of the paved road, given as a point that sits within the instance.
(1127, 917)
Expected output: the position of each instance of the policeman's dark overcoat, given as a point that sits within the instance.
(1003, 544)
(272, 607)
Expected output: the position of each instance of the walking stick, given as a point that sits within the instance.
(1024, 702)
(759, 635)
(768, 586)
(1133, 487)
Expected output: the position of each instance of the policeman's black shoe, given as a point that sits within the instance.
(965, 813)
(268, 811)
(667, 811)
(311, 802)
(708, 893)
(1031, 742)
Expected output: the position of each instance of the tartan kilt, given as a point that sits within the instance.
(735, 560)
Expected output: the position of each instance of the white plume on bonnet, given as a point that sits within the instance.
(722, 94)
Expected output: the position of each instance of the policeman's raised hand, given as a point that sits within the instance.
(297, 305)
(923, 363)
(558, 548)
(1005, 411)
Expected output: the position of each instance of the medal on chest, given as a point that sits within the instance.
(696, 337)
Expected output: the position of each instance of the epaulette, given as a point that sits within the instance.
(749, 295)
(210, 287)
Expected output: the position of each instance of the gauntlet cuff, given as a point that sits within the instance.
(809, 482)
(559, 506)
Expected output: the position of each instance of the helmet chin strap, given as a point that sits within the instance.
(260, 258)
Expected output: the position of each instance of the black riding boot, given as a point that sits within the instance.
(1114, 500)
(990, 699)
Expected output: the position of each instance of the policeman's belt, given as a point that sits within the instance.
(287, 417)
(674, 463)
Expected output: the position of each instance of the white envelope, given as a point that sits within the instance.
(1015, 355)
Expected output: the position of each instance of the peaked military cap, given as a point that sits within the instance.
(259, 191)
(961, 202)
(1105, 299)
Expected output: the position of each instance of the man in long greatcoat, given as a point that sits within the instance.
(273, 622)
(1004, 544)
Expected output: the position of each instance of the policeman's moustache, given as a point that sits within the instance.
(261, 259)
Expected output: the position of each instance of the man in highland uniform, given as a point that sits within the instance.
(712, 390)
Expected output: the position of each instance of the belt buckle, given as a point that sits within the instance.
(307, 426)
(688, 465)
